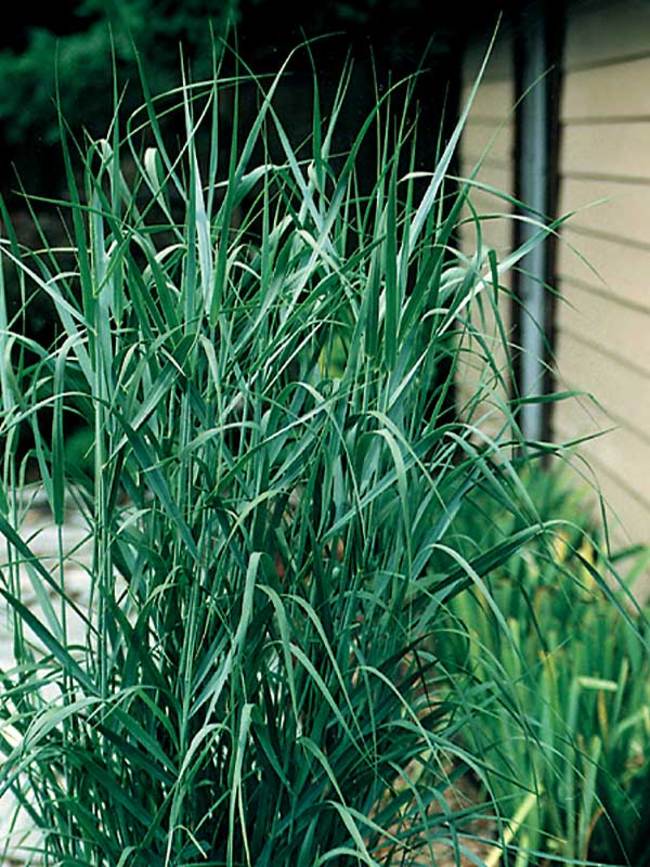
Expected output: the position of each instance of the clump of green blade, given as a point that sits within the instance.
(260, 349)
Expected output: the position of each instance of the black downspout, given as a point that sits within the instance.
(538, 53)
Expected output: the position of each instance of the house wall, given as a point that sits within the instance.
(491, 122)
(603, 265)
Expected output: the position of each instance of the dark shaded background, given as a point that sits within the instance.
(399, 33)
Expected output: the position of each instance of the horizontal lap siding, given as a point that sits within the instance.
(491, 138)
(488, 139)
(606, 32)
(616, 329)
(585, 367)
(622, 152)
(619, 451)
(603, 265)
(618, 210)
(620, 86)
(611, 266)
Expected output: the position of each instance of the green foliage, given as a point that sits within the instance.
(263, 352)
(82, 62)
(79, 447)
(577, 667)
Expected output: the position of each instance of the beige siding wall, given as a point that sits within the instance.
(490, 125)
(604, 321)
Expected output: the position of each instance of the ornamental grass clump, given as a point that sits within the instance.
(263, 353)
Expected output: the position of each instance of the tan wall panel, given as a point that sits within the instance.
(497, 231)
(500, 178)
(496, 234)
(603, 341)
(621, 331)
(620, 450)
(621, 269)
(579, 417)
(492, 111)
(498, 139)
(619, 149)
(490, 204)
(496, 210)
(626, 389)
(625, 214)
(613, 91)
(494, 101)
(628, 520)
(602, 31)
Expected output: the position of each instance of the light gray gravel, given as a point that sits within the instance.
(41, 533)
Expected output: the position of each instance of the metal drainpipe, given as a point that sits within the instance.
(533, 187)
